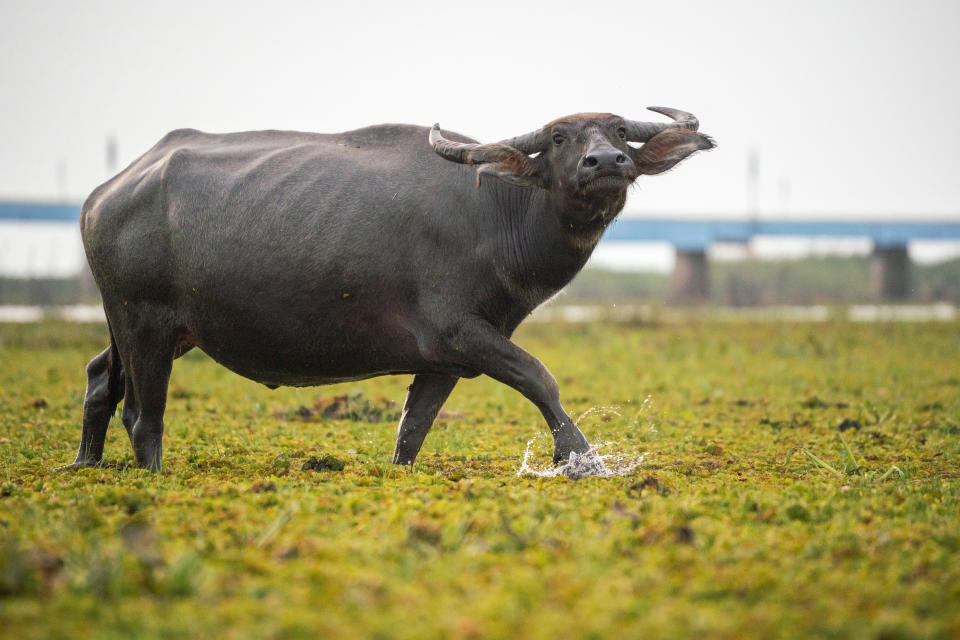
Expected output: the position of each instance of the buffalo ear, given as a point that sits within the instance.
(661, 152)
(523, 174)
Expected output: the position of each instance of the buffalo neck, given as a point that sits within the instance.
(543, 241)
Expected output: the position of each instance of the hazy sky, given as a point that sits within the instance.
(852, 106)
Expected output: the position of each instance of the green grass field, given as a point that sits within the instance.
(797, 481)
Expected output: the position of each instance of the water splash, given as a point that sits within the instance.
(592, 463)
(583, 465)
(603, 411)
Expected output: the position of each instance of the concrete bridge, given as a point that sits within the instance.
(690, 281)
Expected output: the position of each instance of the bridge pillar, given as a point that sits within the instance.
(890, 272)
(690, 280)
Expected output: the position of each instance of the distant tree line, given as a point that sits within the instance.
(828, 280)
(44, 292)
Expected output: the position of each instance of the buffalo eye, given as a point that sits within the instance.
(557, 139)
(622, 132)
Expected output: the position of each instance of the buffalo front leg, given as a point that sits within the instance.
(491, 353)
(426, 395)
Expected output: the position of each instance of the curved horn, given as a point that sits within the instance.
(643, 131)
(528, 143)
(471, 152)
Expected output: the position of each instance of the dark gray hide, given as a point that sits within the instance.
(306, 259)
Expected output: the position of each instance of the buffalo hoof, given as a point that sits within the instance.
(404, 458)
(148, 450)
(565, 444)
(79, 464)
(151, 464)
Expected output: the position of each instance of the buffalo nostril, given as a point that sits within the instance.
(590, 161)
(621, 158)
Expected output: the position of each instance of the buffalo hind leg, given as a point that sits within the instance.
(150, 361)
(426, 395)
(129, 413)
(491, 353)
(105, 389)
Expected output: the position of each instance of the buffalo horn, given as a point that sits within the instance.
(471, 152)
(528, 143)
(642, 131)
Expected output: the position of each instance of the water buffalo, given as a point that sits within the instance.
(306, 259)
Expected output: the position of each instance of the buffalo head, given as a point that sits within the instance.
(583, 159)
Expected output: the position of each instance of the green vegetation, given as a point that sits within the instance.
(825, 280)
(798, 481)
(49, 291)
(828, 280)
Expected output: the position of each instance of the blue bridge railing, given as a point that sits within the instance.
(692, 235)
(684, 234)
(40, 211)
